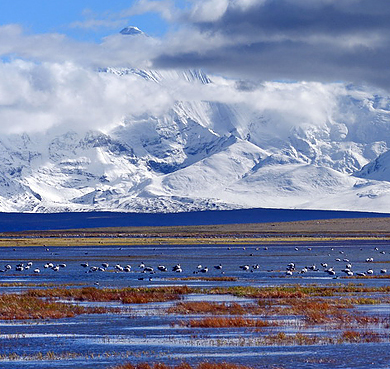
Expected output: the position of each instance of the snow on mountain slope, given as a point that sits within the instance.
(378, 169)
(276, 145)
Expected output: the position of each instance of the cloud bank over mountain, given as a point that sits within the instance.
(346, 40)
(323, 41)
(241, 103)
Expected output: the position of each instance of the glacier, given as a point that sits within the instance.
(295, 145)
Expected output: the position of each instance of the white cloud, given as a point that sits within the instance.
(209, 10)
(165, 8)
(52, 81)
(36, 97)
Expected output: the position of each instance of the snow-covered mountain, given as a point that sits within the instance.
(276, 145)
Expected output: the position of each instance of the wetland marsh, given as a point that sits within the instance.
(270, 305)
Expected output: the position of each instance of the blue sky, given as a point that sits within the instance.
(285, 40)
(58, 16)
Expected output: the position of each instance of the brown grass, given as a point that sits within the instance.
(204, 307)
(125, 295)
(319, 311)
(282, 338)
(359, 337)
(184, 365)
(209, 279)
(13, 307)
(226, 322)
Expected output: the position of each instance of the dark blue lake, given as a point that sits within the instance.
(35, 221)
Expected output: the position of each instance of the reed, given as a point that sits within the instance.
(125, 295)
(351, 336)
(226, 322)
(209, 279)
(204, 307)
(20, 307)
(183, 365)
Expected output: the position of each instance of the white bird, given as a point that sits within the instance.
(162, 268)
(218, 266)
(244, 267)
(37, 270)
(204, 270)
(383, 271)
(291, 266)
(176, 267)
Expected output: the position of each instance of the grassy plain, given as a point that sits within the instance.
(239, 234)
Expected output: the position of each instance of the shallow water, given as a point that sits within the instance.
(146, 333)
(272, 261)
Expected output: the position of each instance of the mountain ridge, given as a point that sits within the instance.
(207, 154)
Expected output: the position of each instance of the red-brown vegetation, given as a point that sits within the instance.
(204, 307)
(359, 337)
(14, 307)
(184, 365)
(225, 322)
(125, 295)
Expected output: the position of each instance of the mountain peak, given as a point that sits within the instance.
(131, 31)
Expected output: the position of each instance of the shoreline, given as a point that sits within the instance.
(164, 241)
(236, 234)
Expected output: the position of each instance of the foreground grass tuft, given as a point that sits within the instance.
(125, 295)
(13, 307)
(226, 322)
(184, 365)
(204, 307)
